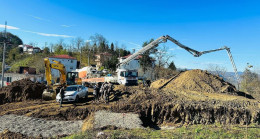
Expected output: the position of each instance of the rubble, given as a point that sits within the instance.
(21, 90)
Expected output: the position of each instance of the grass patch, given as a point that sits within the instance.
(194, 131)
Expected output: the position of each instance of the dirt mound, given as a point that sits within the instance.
(198, 80)
(21, 90)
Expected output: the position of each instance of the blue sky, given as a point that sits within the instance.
(199, 24)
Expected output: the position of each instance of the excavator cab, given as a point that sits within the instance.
(73, 78)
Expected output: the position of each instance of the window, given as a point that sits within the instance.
(122, 74)
(71, 67)
(71, 61)
(9, 79)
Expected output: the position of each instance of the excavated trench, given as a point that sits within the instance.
(156, 113)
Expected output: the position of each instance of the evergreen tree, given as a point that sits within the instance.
(172, 66)
(112, 47)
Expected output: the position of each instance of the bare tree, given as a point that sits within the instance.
(217, 70)
(79, 43)
(162, 58)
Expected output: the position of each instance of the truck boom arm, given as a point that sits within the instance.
(195, 53)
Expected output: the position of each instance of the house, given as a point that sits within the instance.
(135, 65)
(29, 49)
(70, 63)
(34, 50)
(101, 58)
(23, 73)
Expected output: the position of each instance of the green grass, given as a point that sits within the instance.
(195, 131)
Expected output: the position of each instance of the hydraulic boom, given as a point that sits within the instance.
(195, 53)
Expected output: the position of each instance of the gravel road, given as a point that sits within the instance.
(35, 127)
(122, 120)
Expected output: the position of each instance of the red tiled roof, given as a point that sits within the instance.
(28, 46)
(63, 57)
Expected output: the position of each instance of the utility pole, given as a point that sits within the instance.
(88, 56)
(3, 63)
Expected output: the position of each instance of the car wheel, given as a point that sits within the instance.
(77, 99)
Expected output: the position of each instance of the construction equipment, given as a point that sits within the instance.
(195, 53)
(130, 77)
(70, 79)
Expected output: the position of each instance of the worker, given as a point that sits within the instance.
(62, 91)
(102, 90)
(106, 92)
(110, 88)
(96, 92)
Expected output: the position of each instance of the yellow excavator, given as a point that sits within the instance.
(71, 78)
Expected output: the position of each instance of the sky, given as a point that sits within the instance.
(199, 24)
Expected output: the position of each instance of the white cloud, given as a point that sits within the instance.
(51, 35)
(135, 44)
(54, 35)
(88, 40)
(39, 18)
(8, 27)
(67, 26)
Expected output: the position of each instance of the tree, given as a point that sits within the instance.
(172, 66)
(98, 39)
(13, 42)
(217, 70)
(111, 63)
(46, 50)
(250, 82)
(112, 47)
(146, 60)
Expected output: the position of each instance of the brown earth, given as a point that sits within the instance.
(21, 90)
(155, 107)
(186, 99)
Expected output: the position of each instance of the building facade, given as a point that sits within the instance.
(135, 65)
(10, 77)
(69, 62)
(101, 58)
(29, 49)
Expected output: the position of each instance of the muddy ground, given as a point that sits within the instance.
(155, 107)
(183, 100)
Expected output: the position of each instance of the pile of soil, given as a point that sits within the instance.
(200, 81)
(21, 90)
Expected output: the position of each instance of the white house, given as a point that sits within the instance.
(34, 50)
(10, 77)
(135, 65)
(69, 62)
(30, 49)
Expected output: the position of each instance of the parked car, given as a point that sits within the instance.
(73, 93)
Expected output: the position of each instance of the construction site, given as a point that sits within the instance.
(191, 97)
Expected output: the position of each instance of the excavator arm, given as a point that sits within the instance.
(56, 65)
(195, 53)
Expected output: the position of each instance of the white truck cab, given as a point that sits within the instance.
(127, 77)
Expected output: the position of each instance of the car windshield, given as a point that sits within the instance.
(71, 88)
